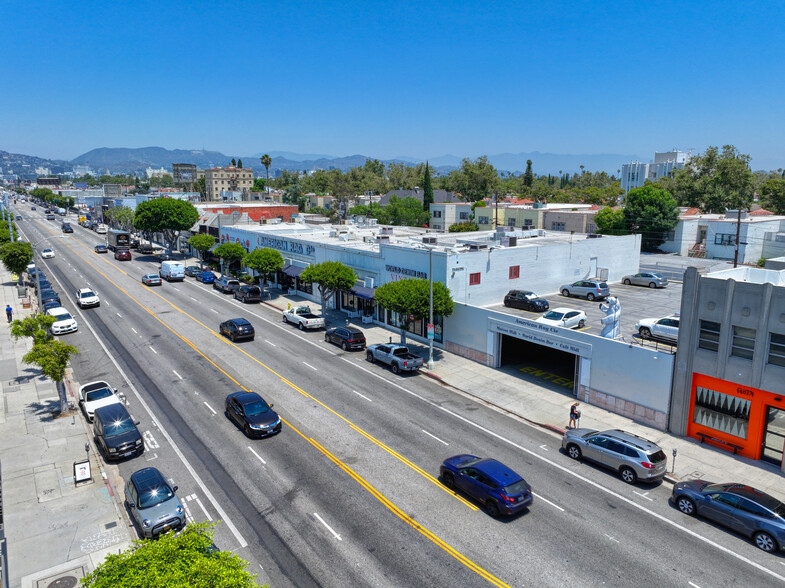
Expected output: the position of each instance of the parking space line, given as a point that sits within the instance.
(553, 504)
(153, 350)
(435, 437)
(210, 407)
(176, 374)
(361, 396)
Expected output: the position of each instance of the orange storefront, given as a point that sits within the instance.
(738, 418)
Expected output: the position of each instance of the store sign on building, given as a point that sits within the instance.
(541, 335)
(285, 246)
(402, 273)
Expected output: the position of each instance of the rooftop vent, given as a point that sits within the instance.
(478, 246)
(429, 240)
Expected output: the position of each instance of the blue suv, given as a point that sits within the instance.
(497, 487)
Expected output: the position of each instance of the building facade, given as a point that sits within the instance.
(229, 179)
(634, 174)
(446, 214)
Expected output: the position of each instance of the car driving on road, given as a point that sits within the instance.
(101, 249)
(85, 298)
(123, 255)
(238, 328)
(151, 280)
(252, 414)
(153, 503)
(47, 254)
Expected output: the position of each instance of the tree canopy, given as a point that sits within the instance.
(402, 212)
(772, 194)
(463, 227)
(330, 277)
(16, 256)
(52, 357)
(185, 560)
(121, 216)
(650, 211)
(611, 221)
(411, 297)
(427, 190)
(265, 260)
(201, 242)
(165, 215)
(35, 326)
(229, 253)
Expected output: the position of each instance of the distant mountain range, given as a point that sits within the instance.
(134, 161)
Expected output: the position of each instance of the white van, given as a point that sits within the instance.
(172, 270)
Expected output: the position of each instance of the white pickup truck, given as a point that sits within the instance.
(303, 317)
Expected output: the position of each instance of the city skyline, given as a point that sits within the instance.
(393, 80)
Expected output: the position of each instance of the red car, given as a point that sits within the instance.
(123, 255)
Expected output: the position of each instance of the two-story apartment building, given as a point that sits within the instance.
(446, 214)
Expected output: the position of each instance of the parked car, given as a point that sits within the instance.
(303, 317)
(95, 395)
(633, 457)
(650, 279)
(525, 300)
(49, 295)
(145, 248)
(151, 280)
(569, 318)
(47, 254)
(101, 249)
(226, 285)
(252, 414)
(662, 328)
(153, 503)
(116, 433)
(41, 282)
(346, 337)
(248, 293)
(85, 298)
(395, 355)
(64, 324)
(123, 254)
(193, 270)
(101, 229)
(235, 329)
(739, 507)
(54, 303)
(588, 289)
(206, 277)
(490, 482)
(18, 217)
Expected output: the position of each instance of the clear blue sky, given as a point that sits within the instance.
(386, 79)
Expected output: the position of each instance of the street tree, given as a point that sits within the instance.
(36, 326)
(52, 357)
(266, 162)
(121, 216)
(330, 277)
(772, 194)
(476, 180)
(611, 221)
(185, 560)
(427, 190)
(265, 260)
(201, 242)
(165, 215)
(16, 256)
(650, 211)
(410, 299)
(229, 253)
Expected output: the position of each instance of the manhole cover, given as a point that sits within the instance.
(63, 582)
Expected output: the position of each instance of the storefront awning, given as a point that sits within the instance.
(363, 292)
(292, 270)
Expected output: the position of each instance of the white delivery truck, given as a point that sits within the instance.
(172, 271)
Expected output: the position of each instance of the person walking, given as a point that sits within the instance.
(9, 313)
(575, 416)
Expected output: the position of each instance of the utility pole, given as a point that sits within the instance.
(8, 216)
(738, 236)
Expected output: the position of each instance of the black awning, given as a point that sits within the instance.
(292, 270)
(363, 292)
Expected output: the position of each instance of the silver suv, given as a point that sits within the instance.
(153, 503)
(592, 289)
(633, 457)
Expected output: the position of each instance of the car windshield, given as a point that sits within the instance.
(518, 487)
(469, 462)
(87, 294)
(553, 315)
(47, 251)
(119, 427)
(63, 316)
(155, 495)
(257, 407)
(98, 395)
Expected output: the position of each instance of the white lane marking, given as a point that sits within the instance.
(176, 374)
(155, 456)
(214, 310)
(153, 350)
(175, 288)
(435, 437)
(259, 457)
(310, 366)
(210, 407)
(544, 447)
(696, 586)
(361, 396)
(553, 504)
(271, 343)
(118, 314)
(321, 520)
(149, 440)
(194, 299)
(643, 495)
(134, 330)
(204, 510)
(611, 538)
(188, 516)
(569, 472)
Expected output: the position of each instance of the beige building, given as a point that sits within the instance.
(576, 218)
(446, 214)
(520, 216)
(570, 220)
(227, 179)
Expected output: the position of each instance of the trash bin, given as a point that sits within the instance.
(21, 290)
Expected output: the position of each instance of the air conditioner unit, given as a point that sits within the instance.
(477, 246)
(369, 282)
(429, 240)
(383, 239)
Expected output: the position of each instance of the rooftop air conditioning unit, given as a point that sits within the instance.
(383, 239)
(429, 240)
(593, 236)
(387, 230)
(478, 246)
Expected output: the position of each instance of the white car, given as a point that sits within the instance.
(86, 297)
(47, 254)
(101, 229)
(65, 323)
(659, 328)
(95, 395)
(569, 318)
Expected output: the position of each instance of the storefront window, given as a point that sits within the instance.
(416, 327)
(721, 412)
(305, 287)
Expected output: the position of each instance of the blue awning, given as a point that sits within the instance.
(363, 292)
(292, 270)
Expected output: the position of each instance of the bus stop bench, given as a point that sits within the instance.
(723, 444)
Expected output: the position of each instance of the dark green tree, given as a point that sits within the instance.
(234, 163)
(650, 211)
(52, 357)
(258, 185)
(121, 217)
(37, 327)
(266, 261)
(475, 180)
(610, 221)
(464, 227)
(330, 277)
(427, 190)
(165, 215)
(201, 242)
(528, 176)
(411, 298)
(403, 212)
(16, 256)
(229, 253)
(239, 163)
(772, 194)
(266, 162)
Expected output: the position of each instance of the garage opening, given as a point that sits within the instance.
(539, 364)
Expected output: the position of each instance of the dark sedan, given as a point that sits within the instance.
(525, 300)
(151, 280)
(101, 249)
(252, 414)
(346, 337)
(493, 484)
(739, 507)
(193, 270)
(123, 255)
(235, 329)
(49, 294)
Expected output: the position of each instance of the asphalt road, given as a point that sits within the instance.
(348, 493)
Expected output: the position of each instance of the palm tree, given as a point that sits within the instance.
(266, 161)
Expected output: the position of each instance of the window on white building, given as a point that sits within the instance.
(437, 214)
(463, 216)
(557, 226)
(777, 349)
(743, 342)
(724, 239)
(709, 336)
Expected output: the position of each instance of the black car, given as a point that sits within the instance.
(101, 249)
(145, 248)
(116, 433)
(193, 270)
(525, 300)
(43, 283)
(235, 329)
(134, 244)
(54, 303)
(248, 293)
(49, 294)
(67, 228)
(252, 414)
(346, 337)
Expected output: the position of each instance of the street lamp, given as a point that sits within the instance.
(430, 308)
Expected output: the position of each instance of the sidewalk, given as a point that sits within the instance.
(550, 409)
(53, 528)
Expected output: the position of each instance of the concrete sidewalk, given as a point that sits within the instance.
(53, 528)
(548, 406)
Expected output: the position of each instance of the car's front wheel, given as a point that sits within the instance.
(574, 451)
(645, 333)
(628, 475)
(627, 282)
(686, 505)
(765, 541)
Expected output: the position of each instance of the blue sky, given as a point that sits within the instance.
(388, 79)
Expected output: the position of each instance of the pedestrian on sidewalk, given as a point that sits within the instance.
(575, 416)
(9, 313)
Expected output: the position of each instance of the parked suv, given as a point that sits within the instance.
(589, 289)
(153, 503)
(248, 293)
(663, 328)
(116, 433)
(226, 285)
(346, 337)
(526, 300)
(633, 457)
